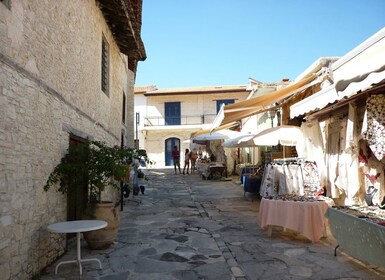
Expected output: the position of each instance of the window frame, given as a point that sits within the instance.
(175, 109)
(224, 101)
(105, 66)
(124, 108)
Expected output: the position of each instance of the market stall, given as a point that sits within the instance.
(290, 189)
(301, 214)
(360, 231)
(350, 114)
(211, 170)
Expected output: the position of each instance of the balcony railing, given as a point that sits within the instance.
(180, 120)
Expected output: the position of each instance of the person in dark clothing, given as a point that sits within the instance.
(176, 158)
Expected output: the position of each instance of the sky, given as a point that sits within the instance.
(192, 43)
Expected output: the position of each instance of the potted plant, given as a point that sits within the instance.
(98, 166)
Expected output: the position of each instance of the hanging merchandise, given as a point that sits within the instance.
(290, 176)
(372, 175)
(312, 147)
(375, 133)
(369, 194)
(332, 149)
(352, 155)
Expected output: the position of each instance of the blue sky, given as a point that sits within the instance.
(222, 42)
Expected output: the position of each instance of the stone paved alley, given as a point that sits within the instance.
(189, 228)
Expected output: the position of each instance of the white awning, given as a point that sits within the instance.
(370, 81)
(329, 95)
(316, 101)
(357, 71)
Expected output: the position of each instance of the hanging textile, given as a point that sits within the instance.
(341, 181)
(372, 176)
(352, 151)
(375, 133)
(294, 179)
(311, 184)
(291, 177)
(332, 148)
(313, 147)
(267, 185)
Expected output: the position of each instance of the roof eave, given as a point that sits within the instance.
(125, 26)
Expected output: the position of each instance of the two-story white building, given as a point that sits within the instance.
(168, 117)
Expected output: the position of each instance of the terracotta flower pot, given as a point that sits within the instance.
(103, 238)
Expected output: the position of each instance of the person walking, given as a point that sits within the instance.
(176, 158)
(193, 158)
(186, 160)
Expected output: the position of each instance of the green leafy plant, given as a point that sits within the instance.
(96, 165)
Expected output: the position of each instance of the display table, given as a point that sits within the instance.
(77, 227)
(359, 238)
(217, 171)
(306, 218)
(211, 170)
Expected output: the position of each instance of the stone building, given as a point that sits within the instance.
(168, 117)
(67, 70)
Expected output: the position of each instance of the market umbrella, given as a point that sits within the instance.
(286, 135)
(218, 135)
(241, 141)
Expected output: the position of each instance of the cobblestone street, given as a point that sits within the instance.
(189, 228)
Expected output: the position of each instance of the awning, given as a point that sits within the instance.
(316, 101)
(235, 112)
(357, 71)
(370, 81)
(329, 95)
(206, 131)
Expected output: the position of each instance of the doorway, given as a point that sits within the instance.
(77, 194)
(169, 146)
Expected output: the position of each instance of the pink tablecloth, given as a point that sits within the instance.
(306, 218)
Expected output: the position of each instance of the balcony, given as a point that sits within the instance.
(180, 120)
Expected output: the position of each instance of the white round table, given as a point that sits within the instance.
(77, 227)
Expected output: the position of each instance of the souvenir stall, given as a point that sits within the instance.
(291, 189)
(351, 115)
(354, 176)
(250, 174)
(214, 164)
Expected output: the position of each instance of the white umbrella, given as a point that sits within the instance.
(286, 135)
(218, 135)
(242, 141)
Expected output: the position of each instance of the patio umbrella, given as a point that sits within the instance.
(286, 135)
(218, 135)
(242, 141)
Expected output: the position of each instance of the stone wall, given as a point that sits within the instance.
(49, 87)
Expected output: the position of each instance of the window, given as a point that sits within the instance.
(105, 66)
(224, 101)
(172, 113)
(124, 109)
